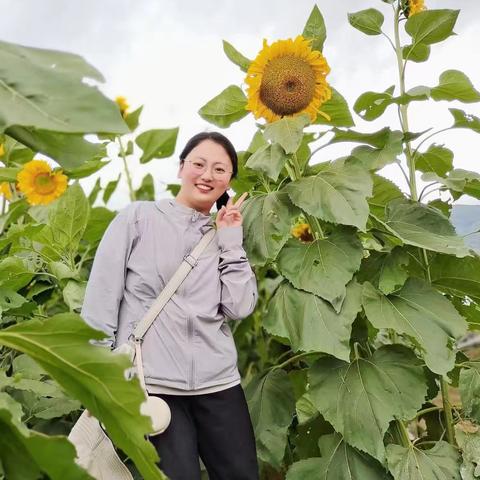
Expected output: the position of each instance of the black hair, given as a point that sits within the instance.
(220, 140)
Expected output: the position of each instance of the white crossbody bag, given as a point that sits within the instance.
(95, 451)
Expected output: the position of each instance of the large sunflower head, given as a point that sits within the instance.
(286, 79)
(122, 105)
(411, 7)
(39, 183)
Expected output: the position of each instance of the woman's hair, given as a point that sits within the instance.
(220, 140)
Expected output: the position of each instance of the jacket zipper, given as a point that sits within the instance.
(192, 364)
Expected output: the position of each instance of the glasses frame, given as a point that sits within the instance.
(204, 169)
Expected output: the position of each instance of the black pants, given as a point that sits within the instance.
(216, 427)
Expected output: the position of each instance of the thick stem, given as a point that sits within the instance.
(294, 359)
(447, 410)
(123, 155)
(403, 434)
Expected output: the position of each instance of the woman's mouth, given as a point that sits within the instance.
(204, 188)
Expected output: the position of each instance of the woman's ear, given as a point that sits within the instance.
(180, 168)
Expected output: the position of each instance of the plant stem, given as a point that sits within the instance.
(427, 410)
(403, 434)
(294, 359)
(123, 155)
(447, 410)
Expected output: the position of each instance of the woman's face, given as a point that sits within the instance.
(201, 189)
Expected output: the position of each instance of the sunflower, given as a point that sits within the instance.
(5, 190)
(2, 150)
(122, 105)
(39, 183)
(414, 6)
(287, 79)
(302, 232)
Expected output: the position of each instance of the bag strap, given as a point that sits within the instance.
(189, 261)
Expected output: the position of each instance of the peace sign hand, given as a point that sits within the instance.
(229, 215)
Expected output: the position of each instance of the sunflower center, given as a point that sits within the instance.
(44, 183)
(288, 85)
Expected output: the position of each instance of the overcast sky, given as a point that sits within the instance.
(167, 55)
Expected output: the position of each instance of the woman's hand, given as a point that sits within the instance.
(229, 215)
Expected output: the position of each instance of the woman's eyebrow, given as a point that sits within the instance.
(218, 162)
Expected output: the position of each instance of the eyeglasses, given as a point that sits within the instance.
(219, 171)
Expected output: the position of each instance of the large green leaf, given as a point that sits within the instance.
(98, 221)
(44, 89)
(337, 109)
(421, 312)
(226, 108)
(465, 120)
(315, 29)
(339, 461)
(416, 52)
(337, 194)
(458, 181)
(457, 276)
(157, 143)
(469, 384)
(311, 324)
(272, 406)
(368, 21)
(269, 159)
(69, 150)
(360, 398)
(14, 273)
(235, 56)
(431, 26)
(370, 105)
(87, 169)
(92, 374)
(439, 463)
(384, 191)
(324, 266)
(26, 454)
(436, 159)
(267, 223)
(470, 446)
(455, 85)
(425, 227)
(287, 132)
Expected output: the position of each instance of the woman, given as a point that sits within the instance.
(189, 355)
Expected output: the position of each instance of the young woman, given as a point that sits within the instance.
(189, 355)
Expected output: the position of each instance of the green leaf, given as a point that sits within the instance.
(48, 408)
(422, 313)
(423, 226)
(465, 120)
(368, 21)
(132, 119)
(337, 194)
(92, 196)
(287, 132)
(235, 56)
(384, 191)
(92, 374)
(44, 89)
(69, 150)
(10, 299)
(416, 52)
(272, 406)
(439, 463)
(337, 109)
(436, 159)
(267, 223)
(339, 461)
(147, 189)
(455, 85)
(360, 398)
(26, 454)
(378, 139)
(324, 266)
(85, 170)
(458, 181)
(469, 385)
(157, 143)
(377, 158)
(8, 174)
(73, 294)
(370, 105)
(469, 443)
(14, 273)
(457, 276)
(110, 188)
(226, 108)
(98, 221)
(311, 324)
(315, 29)
(431, 26)
(269, 159)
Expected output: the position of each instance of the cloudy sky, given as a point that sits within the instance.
(167, 55)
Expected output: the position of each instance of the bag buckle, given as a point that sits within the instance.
(190, 260)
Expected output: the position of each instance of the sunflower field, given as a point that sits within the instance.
(350, 362)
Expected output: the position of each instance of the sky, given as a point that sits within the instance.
(167, 55)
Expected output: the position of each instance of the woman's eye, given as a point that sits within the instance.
(220, 170)
(198, 164)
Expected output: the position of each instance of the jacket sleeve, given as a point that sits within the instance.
(106, 283)
(239, 285)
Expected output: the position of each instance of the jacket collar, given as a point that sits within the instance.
(170, 206)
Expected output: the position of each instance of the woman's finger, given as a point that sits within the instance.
(242, 198)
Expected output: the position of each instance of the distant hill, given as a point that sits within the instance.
(466, 219)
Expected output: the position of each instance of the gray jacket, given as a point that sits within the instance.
(189, 346)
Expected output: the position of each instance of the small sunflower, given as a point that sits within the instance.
(39, 183)
(302, 232)
(414, 6)
(122, 105)
(5, 190)
(287, 79)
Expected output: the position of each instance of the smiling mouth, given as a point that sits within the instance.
(204, 188)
